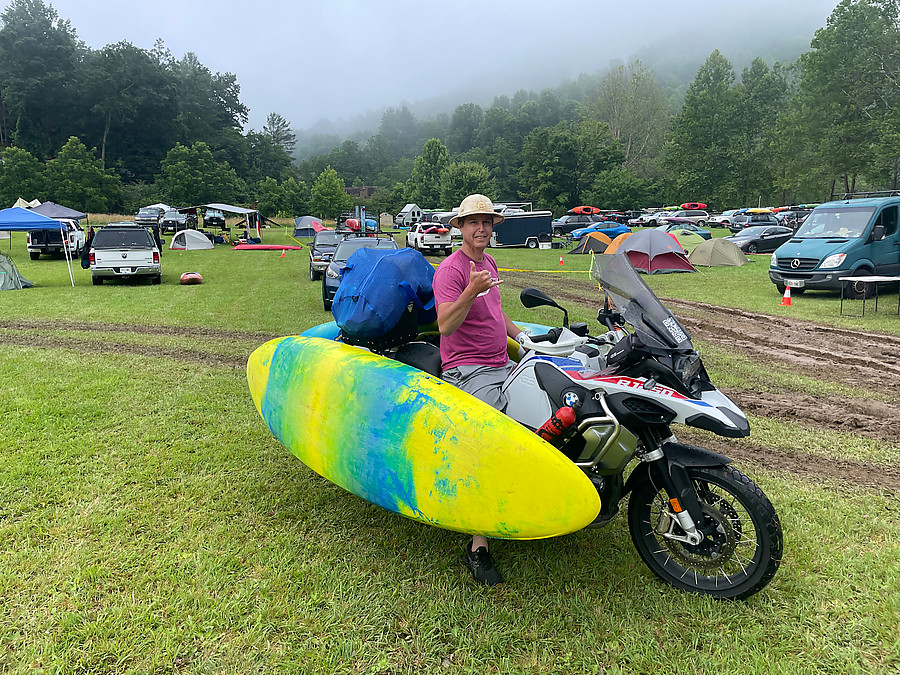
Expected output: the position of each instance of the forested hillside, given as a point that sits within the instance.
(113, 128)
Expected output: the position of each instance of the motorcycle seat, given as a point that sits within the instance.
(422, 355)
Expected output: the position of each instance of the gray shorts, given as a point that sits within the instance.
(483, 382)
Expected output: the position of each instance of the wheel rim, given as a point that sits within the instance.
(751, 248)
(730, 548)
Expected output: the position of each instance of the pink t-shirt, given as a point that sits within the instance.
(481, 338)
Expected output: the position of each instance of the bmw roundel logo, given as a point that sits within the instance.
(795, 263)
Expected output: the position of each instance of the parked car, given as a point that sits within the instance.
(567, 223)
(610, 228)
(344, 250)
(52, 242)
(847, 238)
(696, 216)
(741, 220)
(429, 237)
(173, 221)
(723, 219)
(684, 226)
(214, 218)
(124, 250)
(149, 216)
(322, 249)
(650, 219)
(761, 238)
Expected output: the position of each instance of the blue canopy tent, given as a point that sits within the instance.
(17, 219)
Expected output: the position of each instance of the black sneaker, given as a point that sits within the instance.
(481, 565)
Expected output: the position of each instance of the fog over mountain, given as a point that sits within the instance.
(332, 67)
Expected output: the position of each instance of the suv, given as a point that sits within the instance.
(344, 250)
(696, 216)
(149, 216)
(124, 250)
(51, 241)
(741, 220)
(214, 218)
(650, 219)
(173, 221)
(321, 249)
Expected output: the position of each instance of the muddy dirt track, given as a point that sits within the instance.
(857, 359)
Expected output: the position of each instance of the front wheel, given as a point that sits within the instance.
(742, 544)
(752, 248)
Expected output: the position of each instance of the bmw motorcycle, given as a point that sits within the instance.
(697, 522)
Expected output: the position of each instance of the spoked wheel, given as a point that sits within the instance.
(742, 544)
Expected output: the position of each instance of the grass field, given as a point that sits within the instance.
(149, 522)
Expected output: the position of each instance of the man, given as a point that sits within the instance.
(474, 329)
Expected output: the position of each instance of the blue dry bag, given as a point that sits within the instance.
(377, 286)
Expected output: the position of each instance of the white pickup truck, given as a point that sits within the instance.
(124, 250)
(52, 242)
(429, 237)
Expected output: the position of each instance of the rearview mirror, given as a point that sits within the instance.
(532, 297)
(878, 233)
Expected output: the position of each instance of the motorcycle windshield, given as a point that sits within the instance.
(639, 306)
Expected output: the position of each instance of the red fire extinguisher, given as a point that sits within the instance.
(559, 421)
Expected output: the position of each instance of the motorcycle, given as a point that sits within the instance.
(608, 403)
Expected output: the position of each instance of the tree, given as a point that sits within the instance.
(700, 157)
(850, 87)
(464, 125)
(133, 99)
(399, 131)
(208, 103)
(461, 179)
(21, 175)
(39, 76)
(632, 102)
(761, 97)
(278, 129)
(190, 175)
(620, 189)
(76, 178)
(328, 197)
(425, 182)
(560, 163)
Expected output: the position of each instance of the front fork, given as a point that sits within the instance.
(684, 507)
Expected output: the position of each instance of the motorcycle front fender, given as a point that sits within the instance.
(677, 457)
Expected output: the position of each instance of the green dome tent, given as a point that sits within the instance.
(717, 253)
(688, 240)
(10, 279)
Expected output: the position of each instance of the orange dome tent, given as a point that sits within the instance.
(594, 242)
(614, 245)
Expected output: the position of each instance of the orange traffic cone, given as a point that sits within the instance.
(284, 250)
(786, 300)
(560, 260)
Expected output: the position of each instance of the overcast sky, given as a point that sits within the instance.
(337, 58)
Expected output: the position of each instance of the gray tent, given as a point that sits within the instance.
(717, 253)
(57, 211)
(10, 279)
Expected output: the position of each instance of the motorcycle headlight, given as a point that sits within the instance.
(690, 367)
(833, 261)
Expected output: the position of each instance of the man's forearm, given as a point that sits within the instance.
(452, 314)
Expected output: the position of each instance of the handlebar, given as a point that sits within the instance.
(552, 335)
